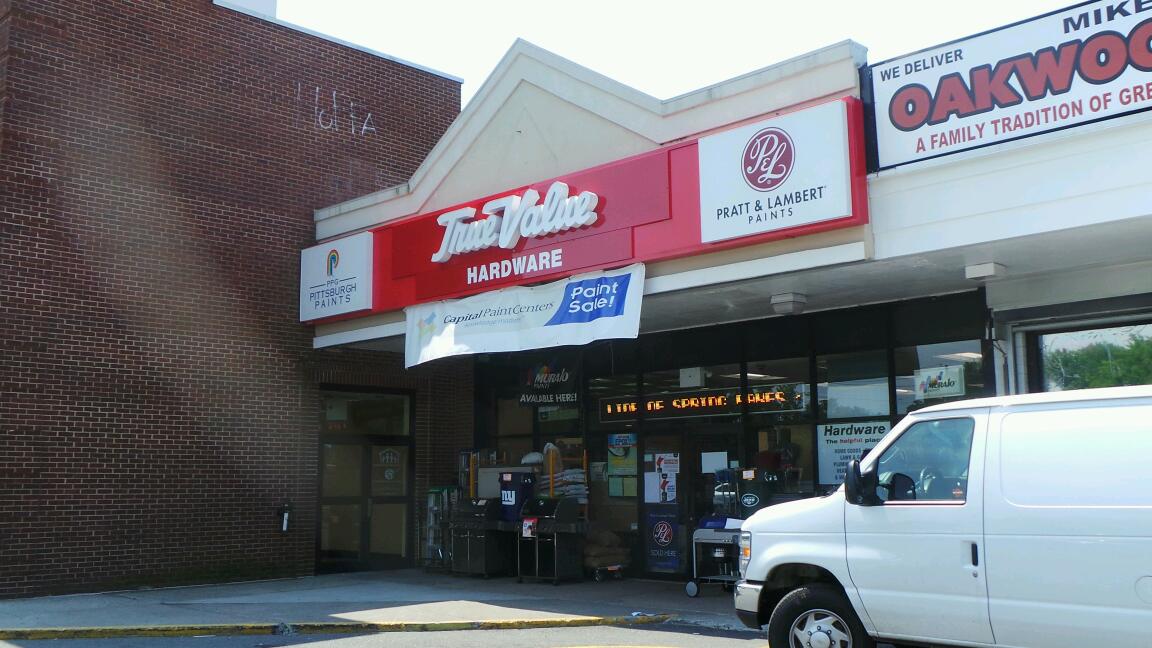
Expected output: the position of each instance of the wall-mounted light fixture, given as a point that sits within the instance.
(983, 271)
(788, 303)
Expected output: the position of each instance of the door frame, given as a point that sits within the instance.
(366, 560)
(689, 442)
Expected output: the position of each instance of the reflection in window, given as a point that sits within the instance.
(937, 373)
(342, 470)
(692, 391)
(785, 382)
(853, 384)
(353, 413)
(928, 462)
(340, 527)
(1103, 357)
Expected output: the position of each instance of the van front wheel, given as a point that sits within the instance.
(816, 616)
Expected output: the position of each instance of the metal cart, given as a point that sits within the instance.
(438, 546)
(714, 559)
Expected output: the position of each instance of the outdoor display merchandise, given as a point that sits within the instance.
(714, 553)
(551, 540)
(481, 542)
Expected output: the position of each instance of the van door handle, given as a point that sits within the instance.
(975, 555)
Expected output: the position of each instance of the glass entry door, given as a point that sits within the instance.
(681, 487)
(666, 538)
(366, 459)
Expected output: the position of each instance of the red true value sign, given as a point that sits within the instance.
(646, 208)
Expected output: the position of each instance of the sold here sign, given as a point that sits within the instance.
(1070, 67)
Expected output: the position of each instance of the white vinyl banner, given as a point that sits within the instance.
(578, 310)
(1076, 65)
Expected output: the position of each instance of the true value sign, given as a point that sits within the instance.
(640, 209)
(512, 217)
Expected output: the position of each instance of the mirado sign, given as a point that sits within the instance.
(511, 217)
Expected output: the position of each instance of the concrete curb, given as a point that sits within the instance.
(318, 627)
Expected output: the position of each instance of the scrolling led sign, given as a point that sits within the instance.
(790, 397)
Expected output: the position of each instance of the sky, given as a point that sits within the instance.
(663, 48)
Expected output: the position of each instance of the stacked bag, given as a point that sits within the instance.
(604, 549)
(569, 483)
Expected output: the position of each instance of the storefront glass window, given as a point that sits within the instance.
(562, 473)
(779, 387)
(782, 424)
(1099, 357)
(853, 384)
(691, 392)
(389, 471)
(357, 413)
(342, 464)
(930, 374)
(513, 433)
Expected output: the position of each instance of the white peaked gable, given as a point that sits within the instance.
(539, 116)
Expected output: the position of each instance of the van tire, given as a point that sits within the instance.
(816, 606)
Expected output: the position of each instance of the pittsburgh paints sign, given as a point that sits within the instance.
(336, 277)
(777, 174)
(594, 306)
(839, 443)
(1082, 64)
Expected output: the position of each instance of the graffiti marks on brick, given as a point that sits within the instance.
(332, 110)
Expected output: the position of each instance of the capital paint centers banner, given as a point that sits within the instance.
(578, 310)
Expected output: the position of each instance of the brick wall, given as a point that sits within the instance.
(159, 164)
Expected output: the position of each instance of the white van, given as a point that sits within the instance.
(1011, 521)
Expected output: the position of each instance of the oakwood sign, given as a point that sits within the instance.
(1086, 63)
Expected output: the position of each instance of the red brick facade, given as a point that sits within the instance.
(159, 165)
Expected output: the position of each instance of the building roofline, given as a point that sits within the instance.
(636, 110)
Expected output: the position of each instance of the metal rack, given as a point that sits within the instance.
(714, 559)
(437, 548)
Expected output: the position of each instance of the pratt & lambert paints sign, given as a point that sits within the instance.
(778, 174)
(1077, 65)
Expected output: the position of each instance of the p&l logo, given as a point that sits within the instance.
(662, 533)
(333, 261)
(768, 159)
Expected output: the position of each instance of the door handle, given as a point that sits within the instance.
(975, 555)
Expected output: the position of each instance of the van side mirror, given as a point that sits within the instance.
(860, 487)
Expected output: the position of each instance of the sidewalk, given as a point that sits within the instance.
(363, 602)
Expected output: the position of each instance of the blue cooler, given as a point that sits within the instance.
(515, 488)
